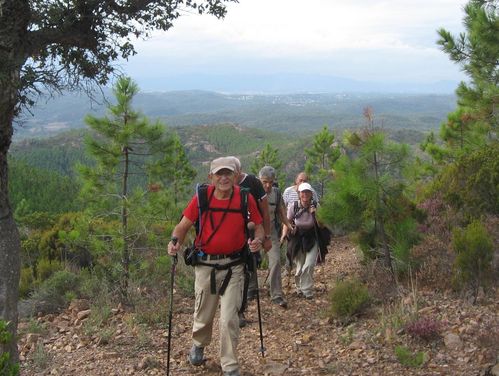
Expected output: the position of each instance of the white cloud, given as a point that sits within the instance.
(319, 24)
(336, 37)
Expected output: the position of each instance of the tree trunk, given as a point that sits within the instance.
(14, 18)
(386, 249)
(10, 244)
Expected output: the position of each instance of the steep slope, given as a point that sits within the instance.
(299, 341)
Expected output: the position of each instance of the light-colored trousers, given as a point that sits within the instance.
(275, 279)
(206, 305)
(304, 275)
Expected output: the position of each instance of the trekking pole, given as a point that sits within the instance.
(170, 313)
(251, 234)
(266, 277)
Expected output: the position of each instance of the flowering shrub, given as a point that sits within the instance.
(440, 218)
(433, 260)
(425, 328)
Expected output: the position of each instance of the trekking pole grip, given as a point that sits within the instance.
(174, 242)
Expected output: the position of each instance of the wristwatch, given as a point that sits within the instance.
(268, 237)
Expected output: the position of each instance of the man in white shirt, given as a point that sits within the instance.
(291, 195)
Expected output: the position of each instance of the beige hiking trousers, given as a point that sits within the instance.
(206, 305)
(275, 279)
(304, 275)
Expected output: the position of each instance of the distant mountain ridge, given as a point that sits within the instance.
(286, 83)
(295, 113)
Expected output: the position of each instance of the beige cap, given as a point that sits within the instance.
(237, 163)
(221, 163)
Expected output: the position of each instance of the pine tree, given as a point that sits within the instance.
(321, 157)
(477, 51)
(131, 154)
(474, 249)
(181, 173)
(269, 156)
(368, 197)
(473, 126)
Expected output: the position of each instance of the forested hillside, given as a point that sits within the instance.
(43, 167)
(295, 113)
(55, 158)
(202, 143)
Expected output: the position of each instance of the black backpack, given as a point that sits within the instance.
(277, 205)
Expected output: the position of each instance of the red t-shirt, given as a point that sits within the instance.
(230, 236)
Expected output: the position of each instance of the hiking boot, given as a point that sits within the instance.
(232, 373)
(280, 302)
(308, 296)
(242, 321)
(196, 355)
(298, 294)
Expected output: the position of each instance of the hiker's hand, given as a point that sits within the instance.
(293, 230)
(267, 244)
(173, 248)
(255, 244)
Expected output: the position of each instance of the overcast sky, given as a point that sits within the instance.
(369, 40)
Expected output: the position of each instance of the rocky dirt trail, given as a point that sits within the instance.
(300, 340)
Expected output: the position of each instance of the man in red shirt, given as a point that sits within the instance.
(219, 277)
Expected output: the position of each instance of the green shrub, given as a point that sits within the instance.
(151, 313)
(184, 275)
(475, 249)
(35, 326)
(91, 286)
(100, 313)
(7, 368)
(52, 294)
(45, 268)
(366, 239)
(152, 271)
(41, 357)
(470, 184)
(408, 359)
(185, 280)
(61, 282)
(404, 235)
(347, 299)
(26, 282)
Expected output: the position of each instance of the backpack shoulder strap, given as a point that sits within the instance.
(244, 206)
(278, 197)
(202, 197)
